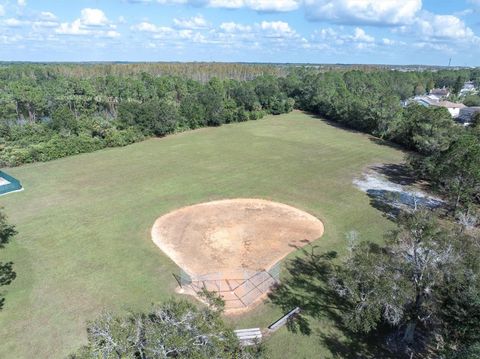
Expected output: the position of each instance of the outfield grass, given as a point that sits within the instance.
(84, 222)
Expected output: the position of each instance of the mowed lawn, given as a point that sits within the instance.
(84, 221)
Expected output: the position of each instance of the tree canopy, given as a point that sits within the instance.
(174, 329)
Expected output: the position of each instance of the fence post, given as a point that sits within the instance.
(185, 278)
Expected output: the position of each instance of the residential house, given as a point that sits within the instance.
(452, 107)
(467, 115)
(468, 89)
(439, 94)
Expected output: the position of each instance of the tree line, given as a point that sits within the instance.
(417, 294)
(441, 151)
(44, 118)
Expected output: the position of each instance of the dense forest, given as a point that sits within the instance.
(49, 112)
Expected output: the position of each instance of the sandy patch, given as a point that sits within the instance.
(233, 235)
(395, 195)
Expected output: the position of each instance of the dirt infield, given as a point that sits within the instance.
(225, 241)
(233, 234)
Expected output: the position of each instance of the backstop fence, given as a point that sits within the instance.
(239, 289)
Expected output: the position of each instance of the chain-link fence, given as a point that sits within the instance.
(239, 289)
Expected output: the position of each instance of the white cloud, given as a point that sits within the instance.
(336, 41)
(93, 17)
(152, 28)
(92, 22)
(374, 12)
(447, 27)
(388, 42)
(74, 28)
(42, 20)
(277, 29)
(46, 24)
(257, 5)
(196, 22)
(111, 34)
(145, 27)
(169, 35)
(22, 2)
(12, 22)
(361, 36)
(326, 34)
(166, 2)
(227, 4)
(434, 46)
(443, 33)
(47, 16)
(267, 35)
(2, 10)
(7, 40)
(234, 27)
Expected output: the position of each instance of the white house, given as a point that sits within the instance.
(452, 107)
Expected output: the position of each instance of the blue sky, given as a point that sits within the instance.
(316, 31)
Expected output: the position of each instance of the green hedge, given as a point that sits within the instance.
(61, 146)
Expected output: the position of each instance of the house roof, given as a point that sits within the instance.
(432, 102)
(471, 109)
(442, 91)
(448, 104)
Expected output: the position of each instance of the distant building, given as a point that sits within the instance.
(467, 115)
(468, 88)
(424, 100)
(452, 107)
(439, 93)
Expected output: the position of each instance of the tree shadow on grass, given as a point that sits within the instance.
(7, 276)
(392, 203)
(336, 124)
(381, 142)
(385, 202)
(398, 173)
(307, 286)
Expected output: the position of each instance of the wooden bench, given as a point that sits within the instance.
(250, 336)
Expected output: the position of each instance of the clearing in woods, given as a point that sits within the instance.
(84, 223)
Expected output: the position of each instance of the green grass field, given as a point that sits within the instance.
(84, 222)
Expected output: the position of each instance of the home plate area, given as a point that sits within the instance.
(238, 291)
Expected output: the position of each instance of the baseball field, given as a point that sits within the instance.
(85, 223)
